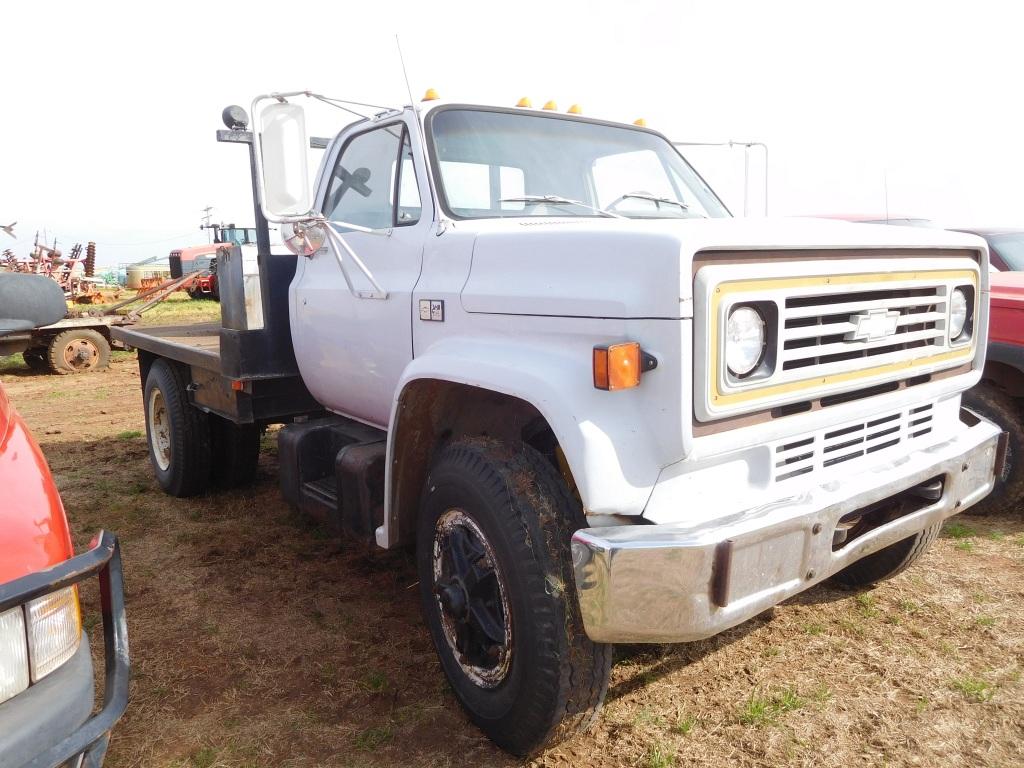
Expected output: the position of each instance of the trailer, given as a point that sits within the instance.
(82, 343)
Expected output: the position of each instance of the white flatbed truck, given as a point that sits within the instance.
(536, 347)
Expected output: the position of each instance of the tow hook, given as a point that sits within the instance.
(930, 491)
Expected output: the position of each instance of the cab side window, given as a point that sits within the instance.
(373, 183)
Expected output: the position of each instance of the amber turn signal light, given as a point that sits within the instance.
(619, 366)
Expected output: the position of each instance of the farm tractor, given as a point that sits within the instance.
(203, 258)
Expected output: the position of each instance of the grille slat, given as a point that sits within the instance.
(852, 307)
(848, 442)
(817, 332)
(811, 370)
(854, 346)
(812, 331)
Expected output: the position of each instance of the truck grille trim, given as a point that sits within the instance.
(857, 440)
(832, 326)
(816, 331)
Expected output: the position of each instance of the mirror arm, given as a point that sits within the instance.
(337, 243)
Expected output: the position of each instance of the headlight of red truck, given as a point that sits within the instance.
(37, 638)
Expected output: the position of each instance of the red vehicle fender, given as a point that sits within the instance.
(1006, 316)
(34, 530)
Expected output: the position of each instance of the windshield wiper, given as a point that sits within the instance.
(558, 200)
(654, 199)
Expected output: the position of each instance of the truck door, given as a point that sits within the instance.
(351, 350)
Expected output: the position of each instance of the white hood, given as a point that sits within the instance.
(615, 268)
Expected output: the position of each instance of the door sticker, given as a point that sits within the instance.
(432, 310)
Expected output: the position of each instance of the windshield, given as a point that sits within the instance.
(494, 164)
(237, 236)
(1010, 248)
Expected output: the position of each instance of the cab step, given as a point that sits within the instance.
(333, 469)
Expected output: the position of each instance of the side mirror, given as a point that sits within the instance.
(29, 301)
(282, 145)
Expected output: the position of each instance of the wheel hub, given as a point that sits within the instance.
(81, 354)
(159, 429)
(454, 599)
(472, 599)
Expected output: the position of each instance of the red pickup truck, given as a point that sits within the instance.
(46, 671)
(998, 396)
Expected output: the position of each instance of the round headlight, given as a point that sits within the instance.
(744, 341)
(957, 313)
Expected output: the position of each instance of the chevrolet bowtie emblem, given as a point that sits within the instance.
(874, 324)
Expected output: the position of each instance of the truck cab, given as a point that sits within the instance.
(46, 669)
(600, 409)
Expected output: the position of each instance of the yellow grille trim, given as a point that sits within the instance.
(719, 398)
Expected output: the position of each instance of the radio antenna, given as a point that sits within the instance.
(405, 73)
(442, 220)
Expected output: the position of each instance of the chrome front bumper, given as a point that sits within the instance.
(678, 583)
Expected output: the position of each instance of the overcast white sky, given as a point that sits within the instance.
(109, 109)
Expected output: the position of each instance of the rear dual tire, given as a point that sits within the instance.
(192, 451)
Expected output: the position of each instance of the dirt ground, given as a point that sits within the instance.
(259, 640)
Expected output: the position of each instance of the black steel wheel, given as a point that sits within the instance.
(472, 597)
(499, 595)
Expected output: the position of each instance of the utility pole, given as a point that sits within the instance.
(206, 219)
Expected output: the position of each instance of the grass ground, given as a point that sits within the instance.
(259, 640)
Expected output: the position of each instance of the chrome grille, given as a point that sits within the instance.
(836, 329)
(848, 442)
(816, 331)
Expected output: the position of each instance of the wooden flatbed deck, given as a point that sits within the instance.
(197, 345)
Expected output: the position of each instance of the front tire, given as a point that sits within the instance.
(888, 562)
(499, 596)
(178, 433)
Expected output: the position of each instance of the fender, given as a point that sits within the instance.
(1011, 355)
(606, 437)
